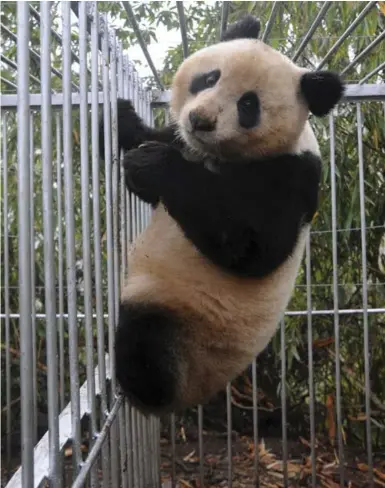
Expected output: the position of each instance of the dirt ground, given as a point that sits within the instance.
(270, 465)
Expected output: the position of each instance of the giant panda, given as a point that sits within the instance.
(234, 185)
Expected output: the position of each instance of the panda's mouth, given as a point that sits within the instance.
(198, 142)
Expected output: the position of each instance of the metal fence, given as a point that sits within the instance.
(75, 240)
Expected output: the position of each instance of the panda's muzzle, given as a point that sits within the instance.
(201, 122)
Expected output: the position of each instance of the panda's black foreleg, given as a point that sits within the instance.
(132, 131)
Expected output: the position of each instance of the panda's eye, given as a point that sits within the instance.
(246, 102)
(211, 80)
(248, 110)
(203, 81)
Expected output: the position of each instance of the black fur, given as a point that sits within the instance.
(146, 364)
(132, 131)
(247, 217)
(249, 110)
(321, 90)
(204, 80)
(246, 28)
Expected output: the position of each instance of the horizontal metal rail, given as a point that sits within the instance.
(81, 316)
(354, 92)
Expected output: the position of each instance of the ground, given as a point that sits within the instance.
(270, 464)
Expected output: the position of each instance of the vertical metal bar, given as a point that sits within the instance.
(146, 453)
(335, 296)
(115, 168)
(6, 294)
(130, 466)
(123, 448)
(138, 216)
(229, 435)
(130, 222)
(127, 214)
(365, 294)
(24, 232)
(152, 440)
(201, 452)
(49, 246)
(255, 421)
(134, 427)
(121, 271)
(70, 237)
(183, 30)
(155, 442)
(140, 448)
(310, 361)
(224, 17)
(33, 281)
(173, 451)
(157, 452)
(98, 232)
(110, 246)
(135, 223)
(60, 259)
(283, 403)
(86, 227)
(123, 222)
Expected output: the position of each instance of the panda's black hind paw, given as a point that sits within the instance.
(146, 361)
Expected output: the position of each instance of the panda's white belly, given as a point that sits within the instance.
(164, 267)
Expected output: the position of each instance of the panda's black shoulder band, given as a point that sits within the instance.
(247, 218)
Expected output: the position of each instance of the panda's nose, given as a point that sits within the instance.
(201, 122)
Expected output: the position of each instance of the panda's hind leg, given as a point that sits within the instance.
(147, 360)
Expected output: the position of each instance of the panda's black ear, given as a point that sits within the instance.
(322, 90)
(248, 27)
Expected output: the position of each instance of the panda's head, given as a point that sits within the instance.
(242, 98)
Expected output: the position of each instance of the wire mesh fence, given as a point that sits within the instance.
(67, 224)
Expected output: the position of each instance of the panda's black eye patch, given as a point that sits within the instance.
(248, 110)
(204, 80)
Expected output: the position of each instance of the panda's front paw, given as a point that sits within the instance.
(148, 154)
(146, 169)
